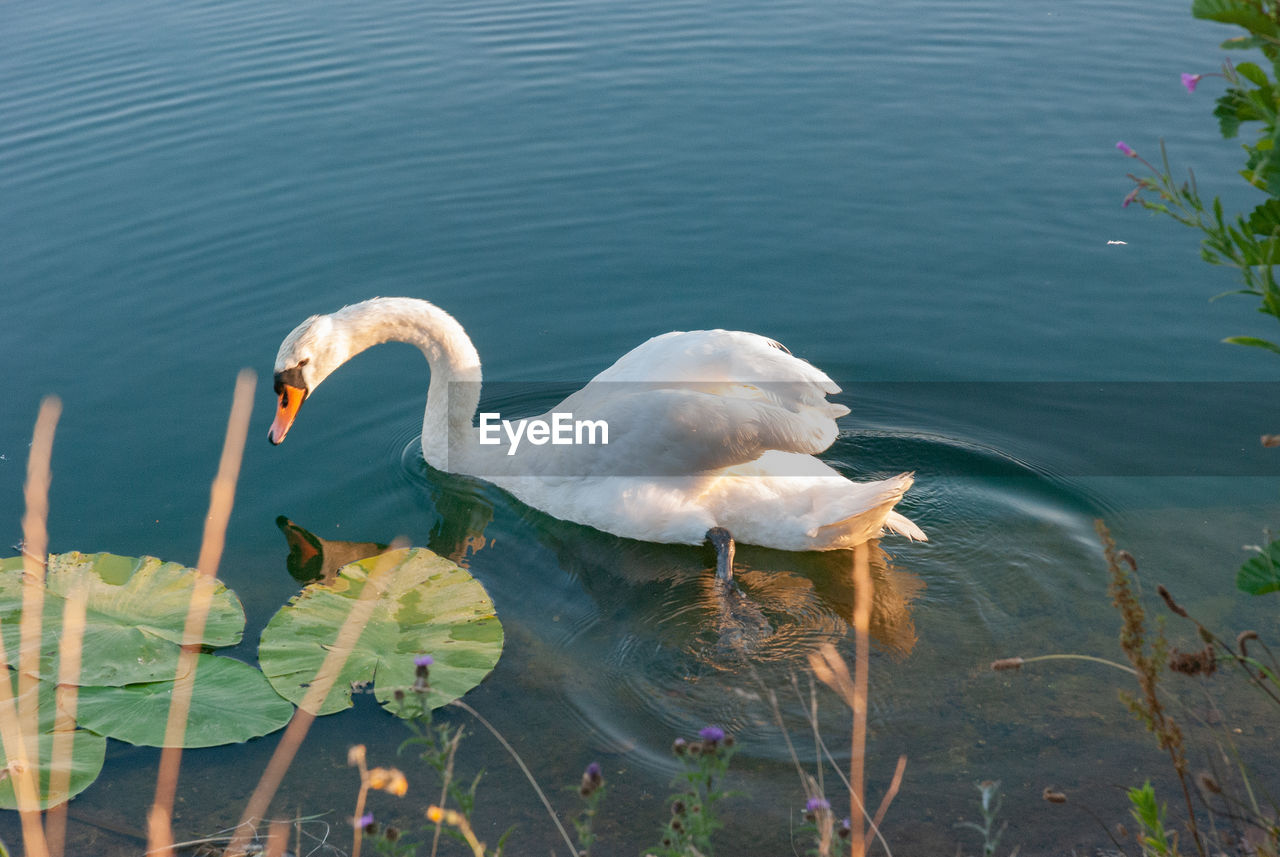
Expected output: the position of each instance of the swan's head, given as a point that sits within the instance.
(306, 357)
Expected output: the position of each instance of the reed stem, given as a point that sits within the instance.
(221, 500)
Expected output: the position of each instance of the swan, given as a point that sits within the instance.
(711, 434)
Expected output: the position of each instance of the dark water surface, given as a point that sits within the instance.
(910, 192)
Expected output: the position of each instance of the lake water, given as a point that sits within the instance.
(919, 197)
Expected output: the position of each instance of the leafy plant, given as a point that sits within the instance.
(693, 807)
(1249, 243)
(991, 800)
(592, 791)
(1261, 574)
(1156, 840)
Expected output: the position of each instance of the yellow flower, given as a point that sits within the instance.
(389, 780)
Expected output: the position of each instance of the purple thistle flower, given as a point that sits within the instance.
(423, 661)
(592, 780)
(711, 734)
(1130, 197)
(816, 803)
(364, 820)
(1190, 81)
(1126, 149)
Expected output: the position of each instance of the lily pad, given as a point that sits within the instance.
(87, 754)
(1261, 574)
(428, 605)
(137, 608)
(231, 702)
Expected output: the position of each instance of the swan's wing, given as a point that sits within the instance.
(726, 363)
(700, 401)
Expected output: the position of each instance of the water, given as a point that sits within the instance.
(900, 193)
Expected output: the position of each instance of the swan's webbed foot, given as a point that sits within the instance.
(722, 541)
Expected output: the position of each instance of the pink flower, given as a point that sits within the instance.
(1190, 81)
(1133, 194)
(1126, 149)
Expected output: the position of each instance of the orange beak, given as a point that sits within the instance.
(287, 408)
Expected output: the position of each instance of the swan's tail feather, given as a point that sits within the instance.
(875, 516)
(904, 526)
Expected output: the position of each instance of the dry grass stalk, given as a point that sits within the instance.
(437, 815)
(1147, 662)
(889, 795)
(528, 774)
(35, 549)
(19, 721)
(830, 669)
(67, 698)
(221, 500)
(291, 741)
(277, 838)
(356, 756)
(19, 768)
(862, 592)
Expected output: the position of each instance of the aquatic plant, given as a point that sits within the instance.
(437, 745)
(103, 645)
(990, 803)
(1236, 805)
(592, 791)
(700, 787)
(1260, 574)
(389, 780)
(1156, 839)
(1250, 243)
(423, 603)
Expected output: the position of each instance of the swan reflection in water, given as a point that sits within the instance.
(785, 605)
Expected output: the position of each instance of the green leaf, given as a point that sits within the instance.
(1253, 341)
(231, 702)
(1253, 73)
(1242, 43)
(1239, 12)
(1232, 108)
(428, 605)
(88, 752)
(136, 612)
(1261, 574)
(1265, 219)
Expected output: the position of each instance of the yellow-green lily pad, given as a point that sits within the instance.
(81, 768)
(135, 614)
(231, 702)
(427, 606)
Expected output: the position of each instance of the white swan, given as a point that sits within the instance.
(708, 431)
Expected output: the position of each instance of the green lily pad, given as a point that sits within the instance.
(87, 754)
(136, 611)
(428, 606)
(231, 702)
(1261, 574)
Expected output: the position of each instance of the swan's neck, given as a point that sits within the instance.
(454, 391)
